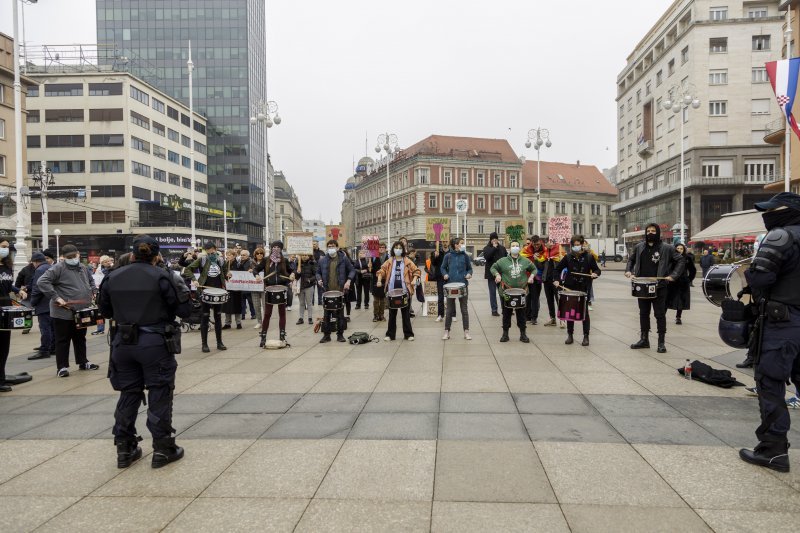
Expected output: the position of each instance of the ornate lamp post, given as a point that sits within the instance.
(536, 138)
(388, 143)
(265, 112)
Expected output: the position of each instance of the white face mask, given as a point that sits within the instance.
(4, 253)
(73, 261)
(514, 250)
(332, 251)
(576, 249)
(398, 252)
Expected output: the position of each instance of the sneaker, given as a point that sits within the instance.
(299, 322)
(562, 324)
(257, 326)
(387, 339)
(98, 332)
(467, 336)
(455, 319)
(590, 307)
(793, 403)
(495, 313)
(239, 326)
(226, 326)
(411, 338)
(309, 321)
(446, 335)
(534, 322)
(63, 373)
(289, 308)
(88, 366)
(753, 391)
(439, 318)
(551, 322)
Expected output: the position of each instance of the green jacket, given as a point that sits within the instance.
(203, 264)
(514, 273)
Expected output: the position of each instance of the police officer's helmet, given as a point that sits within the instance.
(735, 334)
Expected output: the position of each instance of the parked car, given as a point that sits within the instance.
(480, 260)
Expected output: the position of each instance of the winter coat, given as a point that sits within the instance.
(435, 270)
(492, 254)
(40, 303)
(70, 283)
(411, 274)
(678, 293)
(204, 264)
(344, 270)
(456, 266)
(514, 273)
(583, 263)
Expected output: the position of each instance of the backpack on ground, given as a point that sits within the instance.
(360, 337)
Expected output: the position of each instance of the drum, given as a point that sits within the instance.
(723, 281)
(572, 305)
(332, 300)
(86, 316)
(455, 290)
(644, 287)
(397, 298)
(275, 294)
(16, 317)
(514, 299)
(214, 296)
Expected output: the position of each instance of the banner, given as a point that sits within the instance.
(241, 280)
(559, 229)
(299, 243)
(370, 244)
(437, 229)
(336, 232)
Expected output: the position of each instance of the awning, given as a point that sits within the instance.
(731, 225)
(632, 235)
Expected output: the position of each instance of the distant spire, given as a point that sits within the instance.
(366, 143)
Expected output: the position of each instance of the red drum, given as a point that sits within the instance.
(572, 305)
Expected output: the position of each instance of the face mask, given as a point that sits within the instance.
(514, 250)
(780, 218)
(4, 253)
(212, 256)
(650, 237)
(576, 249)
(72, 262)
(398, 252)
(332, 251)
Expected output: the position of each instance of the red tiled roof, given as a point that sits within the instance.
(567, 177)
(467, 148)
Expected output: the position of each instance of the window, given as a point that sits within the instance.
(622, 133)
(718, 108)
(761, 42)
(112, 139)
(639, 120)
(199, 127)
(710, 170)
(140, 169)
(140, 120)
(159, 175)
(718, 77)
(105, 89)
(140, 95)
(512, 181)
(67, 167)
(659, 131)
(158, 129)
(659, 77)
(671, 123)
(497, 227)
(759, 170)
(639, 96)
(61, 217)
(432, 201)
(158, 105)
(174, 179)
(658, 105)
(159, 151)
(108, 217)
(512, 203)
(185, 120)
(448, 177)
(464, 182)
(448, 201)
(33, 141)
(2, 129)
(480, 179)
(761, 106)
(200, 148)
(173, 135)
(174, 157)
(760, 75)
(718, 13)
(64, 141)
(186, 162)
(105, 115)
(108, 191)
(621, 110)
(718, 45)
(63, 89)
(498, 203)
(200, 167)
(140, 193)
(106, 165)
(498, 181)
(479, 203)
(630, 103)
(33, 116)
(33, 91)
(684, 55)
(671, 67)
(647, 88)
(630, 149)
(63, 115)
(630, 127)
(480, 227)
(186, 183)
(543, 229)
(186, 141)
(757, 12)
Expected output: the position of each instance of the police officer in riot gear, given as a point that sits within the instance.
(774, 278)
(143, 300)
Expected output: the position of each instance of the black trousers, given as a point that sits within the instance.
(659, 307)
(507, 312)
(550, 296)
(133, 368)
(571, 324)
(204, 322)
(333, 319)
(391, 327)
(440, 307)
(66, 333)
(5, 347)
(362, 289)
(779, 362)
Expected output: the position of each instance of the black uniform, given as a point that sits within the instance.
(142, 299)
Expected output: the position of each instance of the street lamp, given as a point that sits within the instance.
(265, 112)
(43, 178)
(388, 143)
(536, 138)
(679, 99)
(21, 258)
(57, 233)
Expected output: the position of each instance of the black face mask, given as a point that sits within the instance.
(778, 219)
(651, 238)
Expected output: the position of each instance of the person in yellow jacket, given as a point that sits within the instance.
(400, 272)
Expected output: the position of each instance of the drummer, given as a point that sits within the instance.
(401, 273)
(6, 288)
(578, 268)
(513, 272)
(457, 268)
(276, 274)
(213, 272)
(335, 272)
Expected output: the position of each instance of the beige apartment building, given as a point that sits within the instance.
(288, 213)
(714, 50)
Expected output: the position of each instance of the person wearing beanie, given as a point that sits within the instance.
(277, 273)
(41, 307)
(213, 273)
(6, 288)
(491, 253)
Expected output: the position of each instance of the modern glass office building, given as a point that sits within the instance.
(228, 51)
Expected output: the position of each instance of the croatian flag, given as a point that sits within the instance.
(783, 77)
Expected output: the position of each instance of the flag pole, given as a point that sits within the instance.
(787, 174)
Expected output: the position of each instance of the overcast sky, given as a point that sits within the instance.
(342, 71)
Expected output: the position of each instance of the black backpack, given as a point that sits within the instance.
(359, 337)
(712, 376)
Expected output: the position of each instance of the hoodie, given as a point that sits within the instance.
(668, 261)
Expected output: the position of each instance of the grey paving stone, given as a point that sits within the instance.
(311, 426)
(624, 519)
(570, 428)
(58, 405)
(106, 407)
(481, 426)
(330, 403)
(477, 402)
(12, 425)
(646, 430)
(714, 407)
(9, 403)
(368, 516)
(738, 433)
(632, 405)
(200, 403)
(554, 404)
(403, 402)
(71, 427)
(397, 426)
(231, 426)
(260, 403)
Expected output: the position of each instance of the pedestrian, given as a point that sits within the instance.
(435, 275)
(41, 307)
(576, 271)
(378, 293)
(335, 272)
(292, 262)
(6, 289)
(104, 266)
(491, 253)
(258, 296)
(652, 258)
(399, 273)
(318, 254)
(307, 278)
(678, 294)
(143, 299)
(603, 259)
(247, 265)
(277, 273)
(233, 307)
(457, 268)
(363, 267)
(537, 254)
(68, 285)
(549, 275)
(773, 279)
(513, 272)
(706, 262)
(349, 294)
(24, 278)
(213, 273)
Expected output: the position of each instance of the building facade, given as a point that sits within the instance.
(348, 212)
(228, 51)
(716, 51)
(429, 177)
(317, 227)
(288, 213)
(119, 151)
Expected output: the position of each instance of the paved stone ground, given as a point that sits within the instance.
(408, 436)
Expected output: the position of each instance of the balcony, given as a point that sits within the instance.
(774, 131)
(645, 148)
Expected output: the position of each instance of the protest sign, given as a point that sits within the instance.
(336, 232)
(299, 243)
(370, 244)
(437, 229)
(559, 229)
(244, 281)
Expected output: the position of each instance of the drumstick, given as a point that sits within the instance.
(579, 274)
(635, 278)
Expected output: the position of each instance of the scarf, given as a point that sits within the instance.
(275, 256)
(781, 218)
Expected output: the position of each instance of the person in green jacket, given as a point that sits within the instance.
(513, 272)
(213, 273)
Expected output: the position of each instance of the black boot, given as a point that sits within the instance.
(585, 341)
(325, 338)
(340, 337)
(522, 337)
(661, 346)
(747, 363)
(128, 452)
(773, 455)
(569, 340)
(644, 342)
(204, 340)
(283, 336)
(504, 338)
(218, 333)
(165, 451)
(263, 336)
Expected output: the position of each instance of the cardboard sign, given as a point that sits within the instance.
(370, 245)
(336, 233)
(244, 281)
(559, 229)
(429, 288)
(299, 243)
(437, 229)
